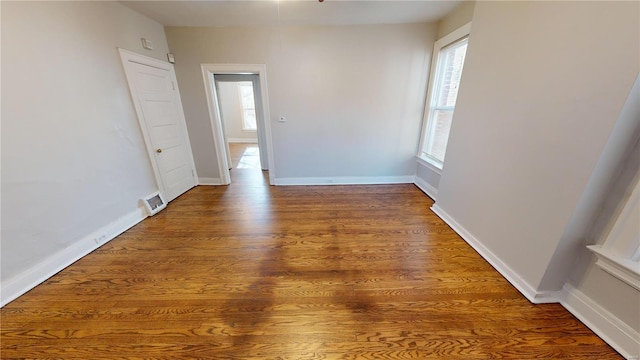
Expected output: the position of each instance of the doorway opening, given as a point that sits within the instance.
(237, 98)
(238, 109)
(244, 156)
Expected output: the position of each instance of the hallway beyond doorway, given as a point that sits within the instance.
(244, 156)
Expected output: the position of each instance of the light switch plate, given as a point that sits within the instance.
(147, 44)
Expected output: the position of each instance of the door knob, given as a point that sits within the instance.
(159, 151)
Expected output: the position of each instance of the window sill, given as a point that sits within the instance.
(429, 163)
(623, 269)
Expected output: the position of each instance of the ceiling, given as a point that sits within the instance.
(214, 13)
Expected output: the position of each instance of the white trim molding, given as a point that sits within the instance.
(441, 43)
(32, 277)
(208, 72)
(355, 180)
(428, 163)
(623, 269)
(610, 328)
(127, 57)
(619, 254)
(426, 188)
(534, 296)
(209, 181)
(242, 141)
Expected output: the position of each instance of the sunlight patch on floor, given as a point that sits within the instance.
(250, 158)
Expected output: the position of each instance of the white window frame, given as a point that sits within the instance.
(619, 255)
(455, 36)
(243, 109)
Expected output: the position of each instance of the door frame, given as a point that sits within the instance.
(208, 73)
(260, 138)
(129, 56)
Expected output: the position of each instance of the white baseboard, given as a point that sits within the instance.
(606, 325)
(209, 181)
(547, 297)
(21, 283)
(516, 280)
(355, 180)
(243, 141)
(427, 188)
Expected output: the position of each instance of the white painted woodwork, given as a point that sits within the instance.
(264, 136)
(612, 329)
(618, 254)
(155, 95)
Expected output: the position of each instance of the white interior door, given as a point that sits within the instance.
(155, 95)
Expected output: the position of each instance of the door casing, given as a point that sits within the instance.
(255, 80)
(129, 56)
(208, 73)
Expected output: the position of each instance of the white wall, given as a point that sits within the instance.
(543, 86)
(543, 150)
(353, 95)
(231, 109)
(73, 158)
(459, 16)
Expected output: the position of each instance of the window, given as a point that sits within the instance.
(446, 72)
(619, 255)
(248, 106)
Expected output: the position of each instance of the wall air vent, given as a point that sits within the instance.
(154, 203)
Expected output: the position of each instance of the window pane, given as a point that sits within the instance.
(248, 106)
(249, 119)
(246, 94)
(439, 134)
(452, 59)
(449, 64)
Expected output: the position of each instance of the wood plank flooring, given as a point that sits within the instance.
(250, 271)
(244, 156)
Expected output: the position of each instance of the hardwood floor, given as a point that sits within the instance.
(251, 271)
(244, 155)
